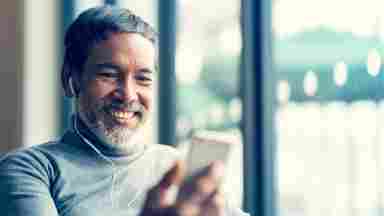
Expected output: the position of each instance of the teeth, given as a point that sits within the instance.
(124, 115)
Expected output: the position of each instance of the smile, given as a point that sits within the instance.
(122, 115)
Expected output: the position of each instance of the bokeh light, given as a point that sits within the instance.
(230, 40)
(189, 62)
(310, 83)
(373, 62)
(340, 74)
(235, 108)
(283, 91)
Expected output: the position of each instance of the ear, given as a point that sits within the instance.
(70, 82)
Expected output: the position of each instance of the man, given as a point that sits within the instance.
(99, 167)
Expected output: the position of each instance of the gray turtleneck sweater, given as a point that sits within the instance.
(79, 176)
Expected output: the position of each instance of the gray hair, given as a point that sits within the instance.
(91, 27)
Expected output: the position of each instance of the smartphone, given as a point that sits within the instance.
(207, 147)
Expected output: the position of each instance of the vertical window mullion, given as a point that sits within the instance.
(167, 78)
(68, 14)
(258, 104)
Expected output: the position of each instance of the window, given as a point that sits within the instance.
(328, 61)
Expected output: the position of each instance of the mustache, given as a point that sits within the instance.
(132, 106)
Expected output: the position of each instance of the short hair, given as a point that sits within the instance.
(92, 26)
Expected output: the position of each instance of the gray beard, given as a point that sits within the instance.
(120, 138)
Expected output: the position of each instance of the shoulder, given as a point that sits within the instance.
(34, 160)
(22, 155)
(27, 170)
(26, 176)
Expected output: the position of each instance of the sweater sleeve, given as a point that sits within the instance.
(24, 186)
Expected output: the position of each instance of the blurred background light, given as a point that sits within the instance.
(189, 61)
(216, 114)
(337, 132)
(283, 91)
(373, 62)
(341, 15)
(235, 108)
(230, 40)
(310, 83)
(82, 5)
(340, 74)
(200, 120)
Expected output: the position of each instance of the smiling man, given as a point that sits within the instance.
(99, 167)
(117, 89)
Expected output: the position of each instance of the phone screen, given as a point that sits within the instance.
(207, 147)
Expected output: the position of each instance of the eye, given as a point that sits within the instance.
(107, 71)
(107, 75)
(144, 79)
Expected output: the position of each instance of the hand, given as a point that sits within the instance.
(198, 196)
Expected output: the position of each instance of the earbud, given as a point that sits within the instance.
(72, 88)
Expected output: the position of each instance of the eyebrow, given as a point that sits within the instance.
(118, 68)
(108, 65)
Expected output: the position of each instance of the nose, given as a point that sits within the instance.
(128, 90)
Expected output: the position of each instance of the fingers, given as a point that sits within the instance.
(200, 191)
(198, 196)
(174, 176)
(159, 196)
(214, 205)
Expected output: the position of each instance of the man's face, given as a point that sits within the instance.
(116, 87)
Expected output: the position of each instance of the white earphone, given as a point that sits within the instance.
(71, 87)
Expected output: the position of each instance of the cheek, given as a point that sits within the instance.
(92, 96)
(146, 98)
(99, 91)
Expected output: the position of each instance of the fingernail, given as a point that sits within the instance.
(170, 195)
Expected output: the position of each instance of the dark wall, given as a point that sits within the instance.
(11, 58)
